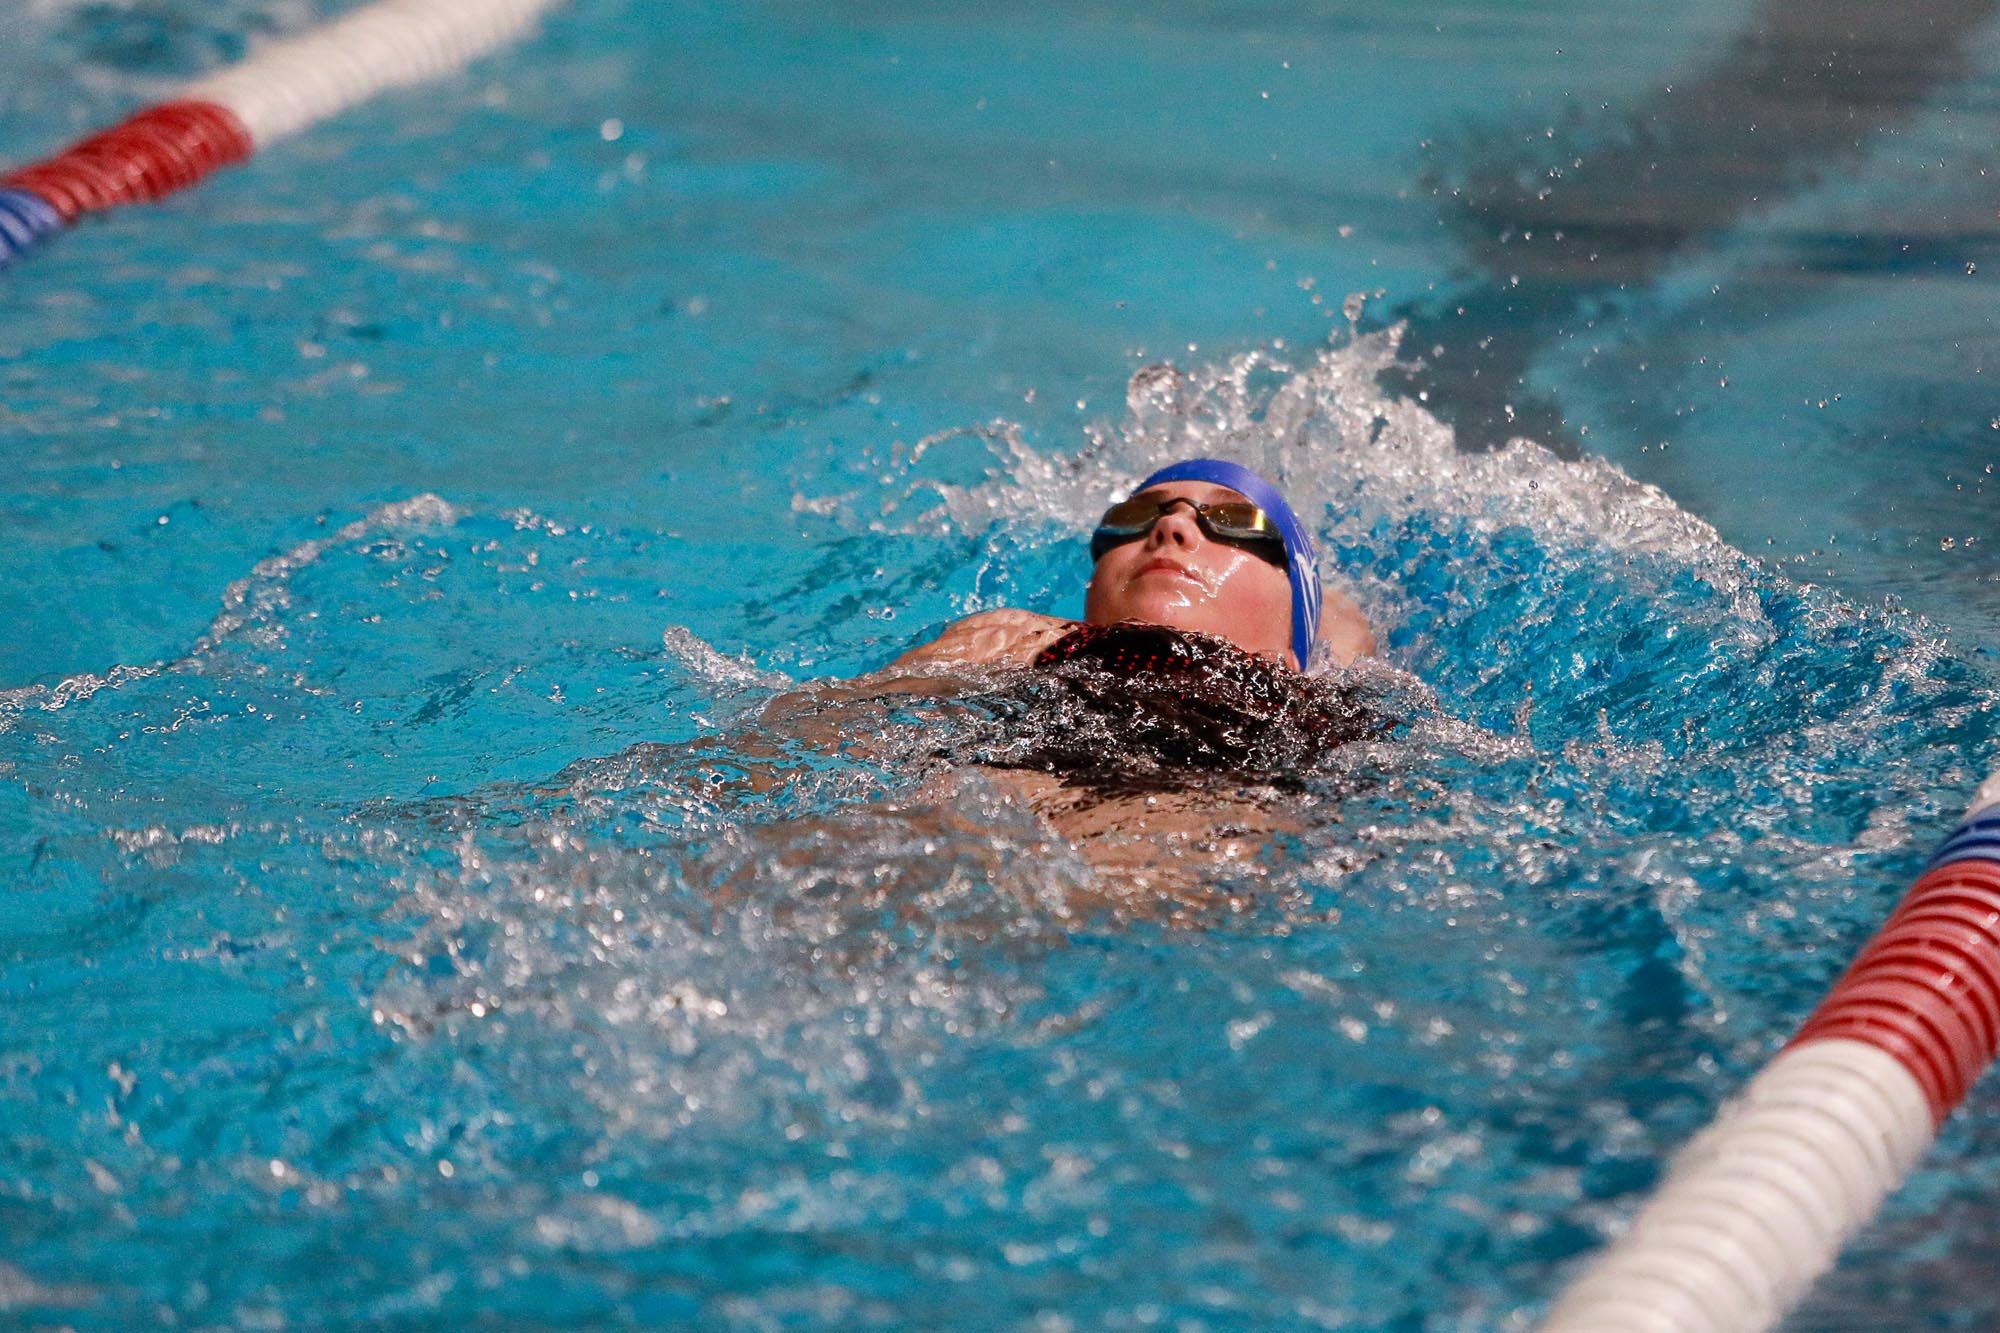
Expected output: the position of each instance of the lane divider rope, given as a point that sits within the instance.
(277, 91)
(1757, 1207)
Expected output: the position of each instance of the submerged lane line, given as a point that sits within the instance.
(245, 601)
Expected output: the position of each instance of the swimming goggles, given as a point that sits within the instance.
(1235, 521)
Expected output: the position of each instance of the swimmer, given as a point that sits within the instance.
(1173, 738)
(1156, 733)
(1205, 546)
(1160, 734)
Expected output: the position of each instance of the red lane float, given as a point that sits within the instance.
(1926, 989)
(162, 149)
(1758, 1206)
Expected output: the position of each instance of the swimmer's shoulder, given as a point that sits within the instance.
(989, 638)
(1345, 635)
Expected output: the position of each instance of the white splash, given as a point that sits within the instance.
(1329, 434)
(716, 668)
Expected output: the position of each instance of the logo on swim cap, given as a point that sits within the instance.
(1301, 559)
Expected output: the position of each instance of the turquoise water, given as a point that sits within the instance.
(409, 529)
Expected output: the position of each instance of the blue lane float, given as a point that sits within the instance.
(1976, 837)
(26, 220)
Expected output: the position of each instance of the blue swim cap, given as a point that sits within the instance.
(1301, 560)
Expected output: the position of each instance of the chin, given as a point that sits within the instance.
(1171, 616)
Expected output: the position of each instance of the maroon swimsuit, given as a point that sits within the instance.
(1135, 707)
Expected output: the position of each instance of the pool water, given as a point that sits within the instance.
(411, 530)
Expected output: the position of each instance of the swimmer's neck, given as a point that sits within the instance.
(1009, 637)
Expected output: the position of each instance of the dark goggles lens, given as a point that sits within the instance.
(1236, 521)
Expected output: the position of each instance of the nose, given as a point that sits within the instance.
(1176, 526)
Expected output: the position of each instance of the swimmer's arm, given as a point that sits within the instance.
(832, 716)
(990, 638)
(839, 714)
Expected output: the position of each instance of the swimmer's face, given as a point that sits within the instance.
(1179, 576)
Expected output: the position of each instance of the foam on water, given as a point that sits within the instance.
(451, 910)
